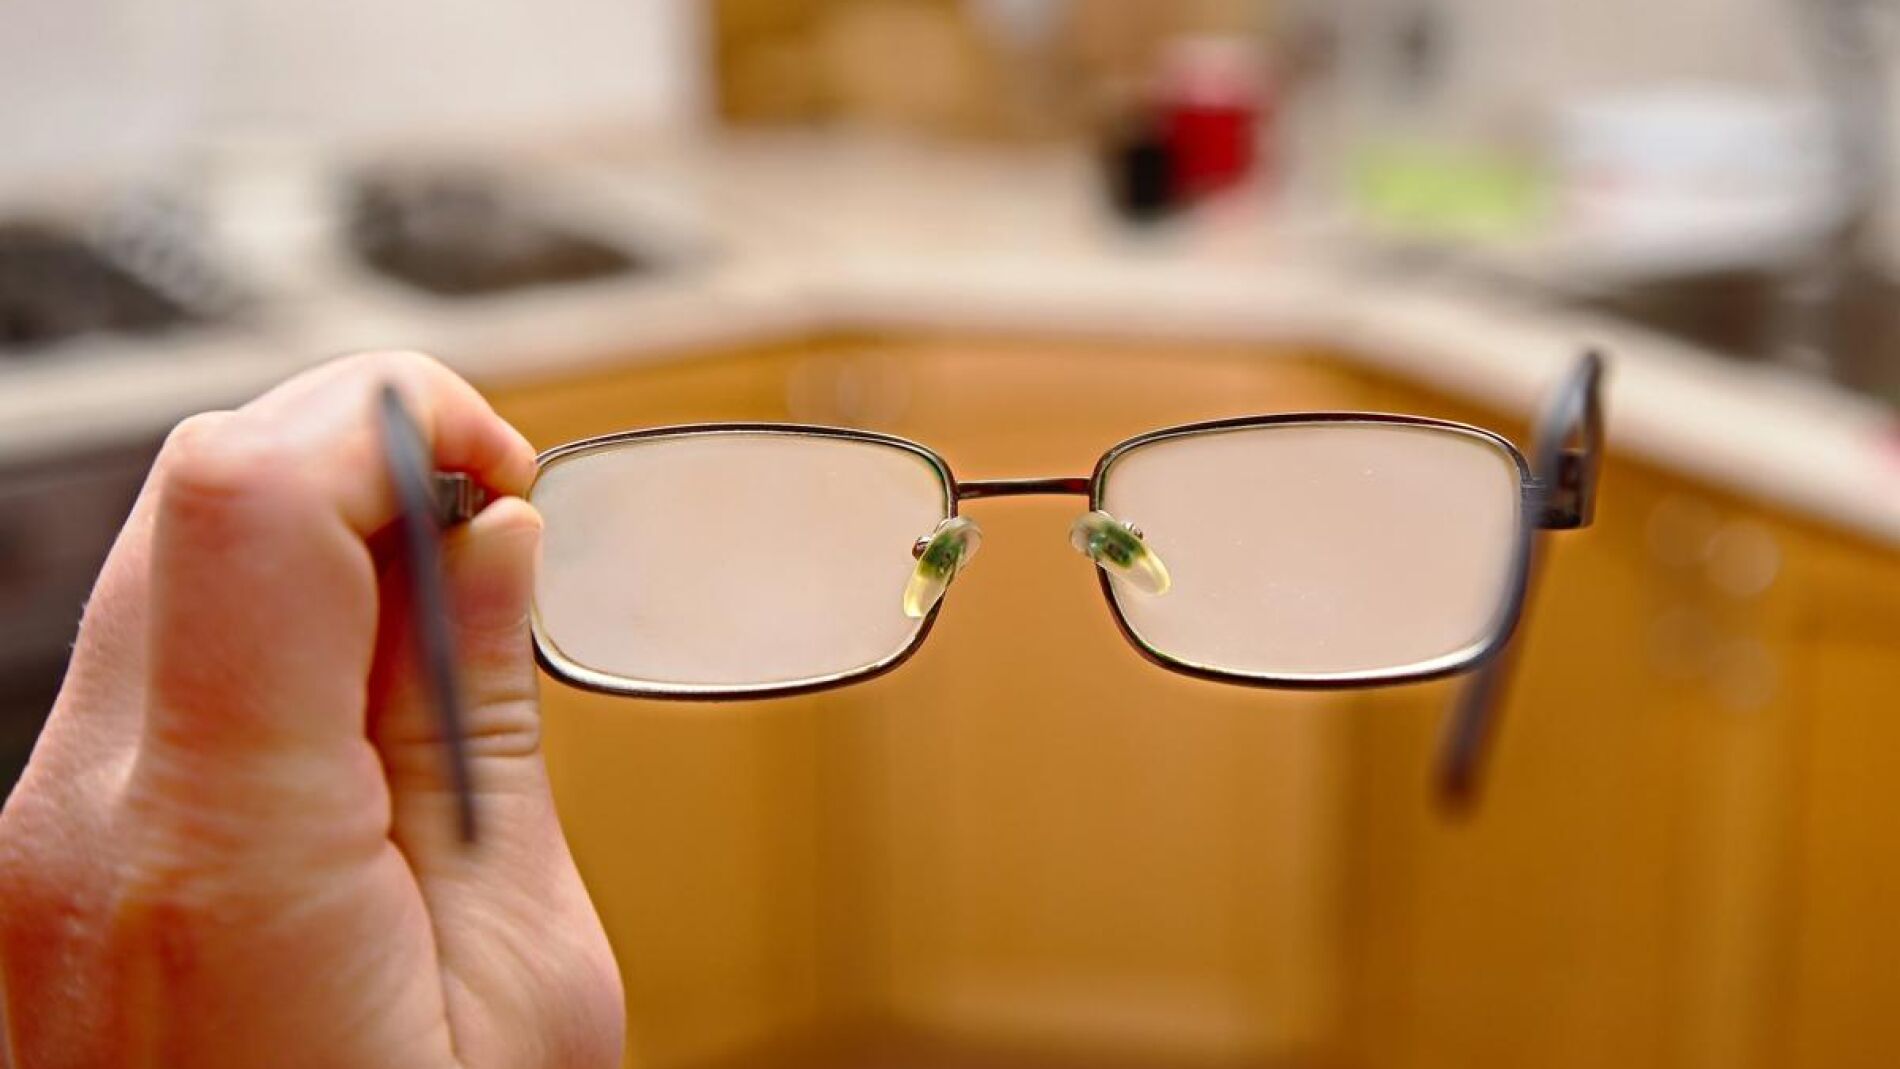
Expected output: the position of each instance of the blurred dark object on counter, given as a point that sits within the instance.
(1140, 169)
(461, 234)
(55, 285)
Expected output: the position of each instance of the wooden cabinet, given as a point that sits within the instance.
(1029, 841)
(1664, 871)
(1843, 931)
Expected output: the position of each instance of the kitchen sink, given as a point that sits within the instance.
(1745, 314)
(466, 234)
(56, 285)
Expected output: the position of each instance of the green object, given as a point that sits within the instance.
(1120, 551)
(1437, 189)
(946, 552)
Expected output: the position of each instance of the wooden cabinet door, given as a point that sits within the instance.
(1840, 981)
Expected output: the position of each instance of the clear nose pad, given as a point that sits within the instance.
(1117, 547)
(940, 556)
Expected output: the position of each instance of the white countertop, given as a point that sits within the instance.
(781, 235)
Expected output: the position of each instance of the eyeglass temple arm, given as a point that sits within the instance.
(430, 501)
(1567, 456)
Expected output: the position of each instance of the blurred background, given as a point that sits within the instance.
(1019, 231)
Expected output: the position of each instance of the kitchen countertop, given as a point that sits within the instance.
(786, 234)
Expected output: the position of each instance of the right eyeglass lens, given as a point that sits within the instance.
(1319, 549)
(732, 559)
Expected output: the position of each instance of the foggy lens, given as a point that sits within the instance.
(720, 560)
(1319, 549)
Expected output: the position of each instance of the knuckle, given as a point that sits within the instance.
(210, 465)
(422, 379)
(507, 726)
(189, 433)
(406, 365)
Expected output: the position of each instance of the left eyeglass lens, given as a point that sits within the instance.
(725, 560)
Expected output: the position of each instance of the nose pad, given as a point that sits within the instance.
(1117, 547)
(941, 554)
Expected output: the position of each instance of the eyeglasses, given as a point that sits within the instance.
(1320, 550)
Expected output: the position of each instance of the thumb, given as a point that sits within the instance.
(533, 979)
(489, 566)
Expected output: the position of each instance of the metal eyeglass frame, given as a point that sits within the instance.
(1558, 487)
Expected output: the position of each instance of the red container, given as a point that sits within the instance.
(1211, 98)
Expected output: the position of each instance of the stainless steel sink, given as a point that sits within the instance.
(455, 233)
(1825, 308)
(1851, 335)
(55, 285)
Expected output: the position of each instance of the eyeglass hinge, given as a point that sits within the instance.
(457, 498)
(1570, 502)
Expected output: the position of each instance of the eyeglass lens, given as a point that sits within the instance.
(1318, 549)
(732, 559)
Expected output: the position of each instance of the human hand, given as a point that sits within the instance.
(235, 843)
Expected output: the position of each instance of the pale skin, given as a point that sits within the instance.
(234, 844)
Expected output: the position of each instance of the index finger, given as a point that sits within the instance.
(329, 413)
